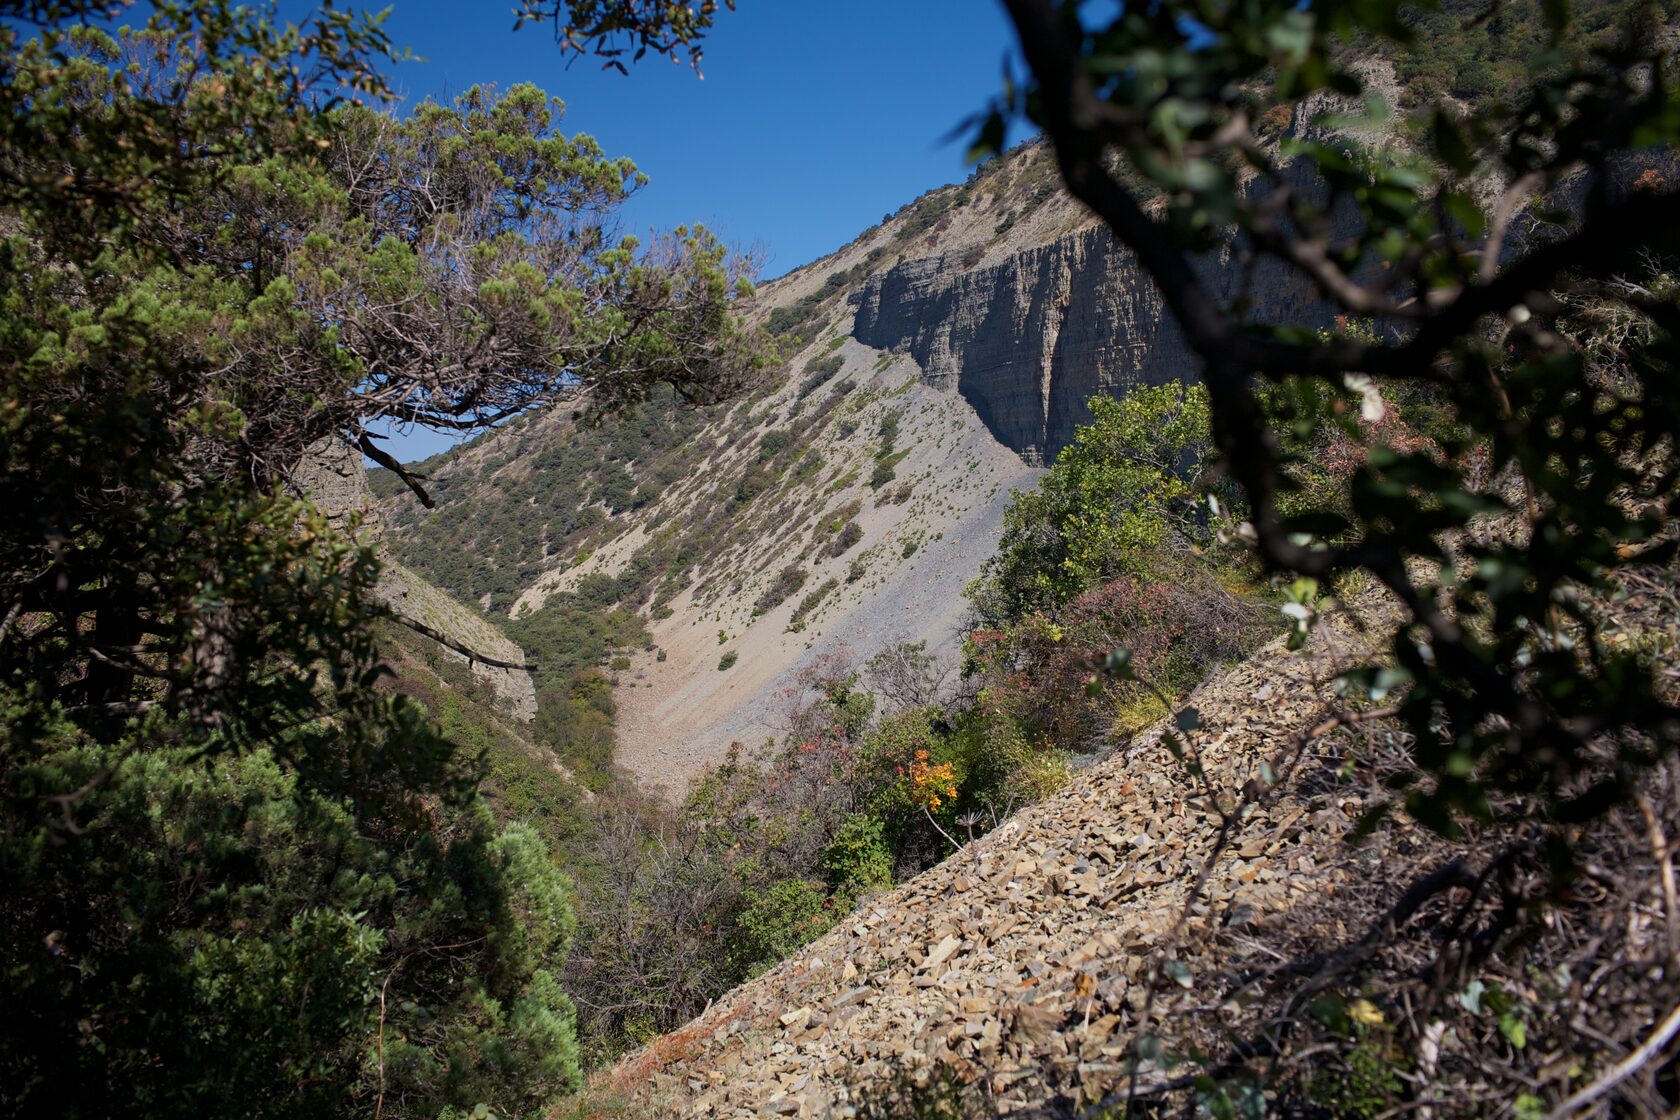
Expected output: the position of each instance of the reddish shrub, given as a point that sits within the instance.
(1176, 628)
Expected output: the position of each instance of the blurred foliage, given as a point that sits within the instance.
(936, 1091)
(1463, 252)
(238, 876)
(611, 29)
(1479, 53)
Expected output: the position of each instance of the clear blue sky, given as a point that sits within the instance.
(813, 119)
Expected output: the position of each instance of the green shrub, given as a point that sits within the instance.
(809, 464)
(909, 549)
(787, 320)
(860, 861)
(777, 922)
(848, 536)
(1112, 496)
(789, 580)
(573, 631)
(279, 970)
(619, 664)
(811, 601)
(835, 519)
(1362, 1082)
(753, 482)
(727, 661)
(617, 490)
(598, 591)
(888, 431)
(823, 368)
(806, 388)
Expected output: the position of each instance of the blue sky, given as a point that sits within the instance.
(812, 121)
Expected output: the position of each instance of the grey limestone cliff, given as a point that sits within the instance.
(1028, 341)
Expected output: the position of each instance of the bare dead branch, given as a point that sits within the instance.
(445, 640)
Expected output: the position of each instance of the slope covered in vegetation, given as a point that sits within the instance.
(955, 791)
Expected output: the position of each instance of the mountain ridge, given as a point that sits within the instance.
(933, 364)
(700, 515)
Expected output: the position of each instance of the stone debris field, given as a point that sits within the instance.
(1023, 958)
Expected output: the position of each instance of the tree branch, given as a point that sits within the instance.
(365, 444)
(466, 651)
(1622, 1070)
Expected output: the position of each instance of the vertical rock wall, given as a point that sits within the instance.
(1029, 341)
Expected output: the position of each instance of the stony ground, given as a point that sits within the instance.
(1022, 959)
(677, 714)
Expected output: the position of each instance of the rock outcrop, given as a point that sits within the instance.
(333, 477)
(1028, 341)
(413, 598)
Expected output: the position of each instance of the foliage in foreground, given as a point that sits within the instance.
(1505, 273)
(1510, 689)
(238, 876)
(224, 936)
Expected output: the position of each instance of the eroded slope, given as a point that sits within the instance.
(1021, 959)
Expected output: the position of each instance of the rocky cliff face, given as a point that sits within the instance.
(333, 477)
(982, 319)
(1029, 340)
